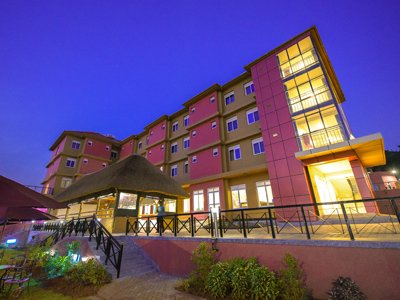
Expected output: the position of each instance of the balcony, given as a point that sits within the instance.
(323, 137)
(310, 99)
(299, 63)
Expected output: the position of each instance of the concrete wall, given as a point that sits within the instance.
(374, 269)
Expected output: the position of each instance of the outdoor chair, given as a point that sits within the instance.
(19, 277)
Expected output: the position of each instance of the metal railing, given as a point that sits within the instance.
(323, 137)
(307, 220)
(112, 249)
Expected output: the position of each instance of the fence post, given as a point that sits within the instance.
(175, 225)
(192, 229)
(243, 224)
(271, 223)
(221, 231)
(108, 249)
(119, 260)
(127, 226)
(147, 226)
(212, 224)
(346, 219)
(305, 222)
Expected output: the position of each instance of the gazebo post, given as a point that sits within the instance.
(80, 210)
(98, 205)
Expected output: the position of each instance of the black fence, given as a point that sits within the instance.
(86, 226)
(333, 219)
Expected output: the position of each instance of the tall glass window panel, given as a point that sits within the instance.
(127, 201)
(170, 205)
(264, 192)
(213, 197)
(239, 197)
(198, 200)
(186, 205)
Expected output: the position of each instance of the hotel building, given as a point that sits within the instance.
(275, 135)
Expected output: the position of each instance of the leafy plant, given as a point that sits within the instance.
(73, 247)
(57, 265)
(218, 281)
(88, 273)
(344, 288)
(291, 280)
(40, 254)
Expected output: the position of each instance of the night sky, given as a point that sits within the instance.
(115, 66)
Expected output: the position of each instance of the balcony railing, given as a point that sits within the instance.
(41, 189)
(323, 137)
(310, 99)
(304, 63)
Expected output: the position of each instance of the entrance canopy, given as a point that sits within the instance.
(133, 174)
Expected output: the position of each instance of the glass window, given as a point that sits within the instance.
(252, 116)
(232, 124)
(186, 142)
(140, 145)
(194, 159)
(174, 170)
(215, 152)
(186, 121)
(198, 200)
(170, 205)
(175, 126)
(264, 192)
(186, 167)
(75, 145)
(186, 205)
(249, 88)
(127, 201)
(65, 182)
(234, 153)
(258, 146)
(239, 198)
(70, 163)
(114, 154)
(213, 125)
(174, 148)
(213, 197)
(229, 98)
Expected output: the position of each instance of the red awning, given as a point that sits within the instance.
(13, 194)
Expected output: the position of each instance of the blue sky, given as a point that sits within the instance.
(115, 66)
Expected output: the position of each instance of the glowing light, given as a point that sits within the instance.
(33, 221)
(394, 171)
(11, 241)
(84, 259)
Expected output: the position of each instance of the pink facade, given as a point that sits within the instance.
(203, 108)
(203, 134)
(58, 149)
(157, 133)
(207, 185)
(156, 154)
(126, 149)
(286, 173)
(90, 165)
(97, 148)
(204, 163)
(52, 169)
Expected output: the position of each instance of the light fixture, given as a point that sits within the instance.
(33, 221)
(11, 241)
(394, 171)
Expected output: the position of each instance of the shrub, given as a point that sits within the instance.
(291, 280)
(73, 247)
(57, 265)
(344, 288)
(88, 273)
(40, 254)
(218, 281)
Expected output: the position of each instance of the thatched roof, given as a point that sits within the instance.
(134, 174)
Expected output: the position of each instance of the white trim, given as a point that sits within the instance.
(194, 159)
(215, 152)
(247, 85)
(174, 169)
(252, 111)
(256, 141)
(213, 125)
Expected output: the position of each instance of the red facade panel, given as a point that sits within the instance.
(156, 154)
(126, 149)
(90, 165)
(205, 163)
(203, 108)
(204, 134)
(157, 133)
(97, 148)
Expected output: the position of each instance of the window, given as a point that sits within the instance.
(239, 198)
(65, 182)
(75, 145)
(107, 148)
(258, 146)
(186, 205)
(147, 140)
(186, 142)
(140, 144)
(127, 201)
(198, 200)
(151, 132)
(249, 88)
(70, 163)
(215, 152)
(186, 121)
(174, 148)
(170, 205)
(232, 124)
(252, 116)
(162, 147)
(213, 125)
(234, 153)
(163, 126)
(264, 193)
(104, 165)
(212, 99)
(90, 143)
(175, 126)
(186, 167)
(193, 110)
(85, 161)
(194, 159)
(213, 197)
(114, 154)
(174, 170)
(229, 98)
(194, 133)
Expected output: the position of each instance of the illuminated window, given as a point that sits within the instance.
(174, 148)
(234, 153)
(186, 121)
(229, 98)
(252, 116)
(127, 201)
(70, 163)
(239, 197)
(170, 205)
(174, 170)
(186, 143)
(258, 146)
(186, 205)
(232, 124)
(249, 88)
(198, 200)
(65, 182)
(264, 192)
(175, 126)
(213, 197)
(75, 145)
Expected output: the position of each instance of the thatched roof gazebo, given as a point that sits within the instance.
(130, 187)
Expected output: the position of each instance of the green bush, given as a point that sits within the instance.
(73, 247)
(57, 265)
(40, 254)
(344, 288)
(88, 273)
(241, 279)
(291, 280)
